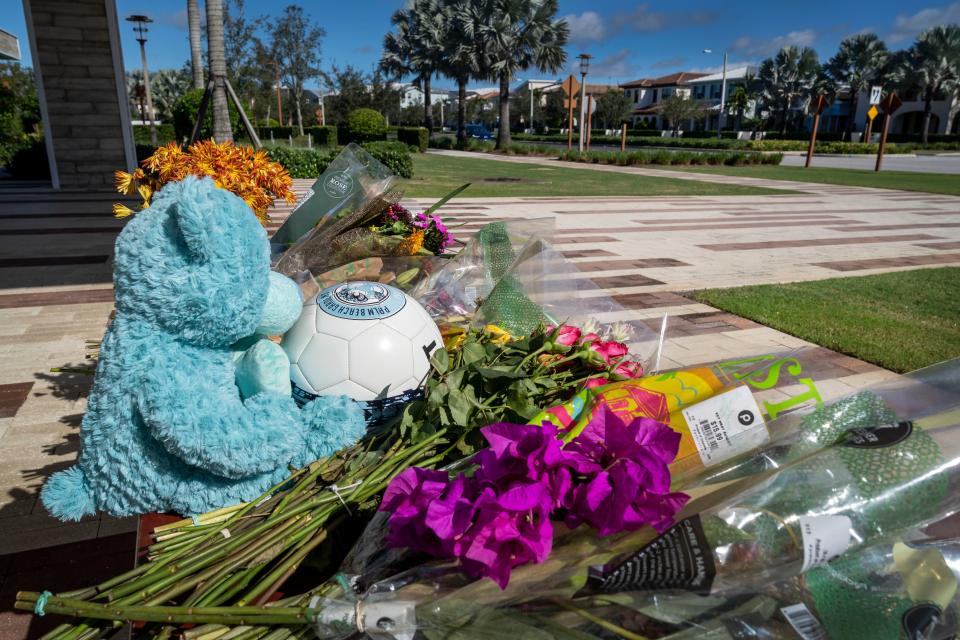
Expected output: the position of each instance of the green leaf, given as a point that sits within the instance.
(454, 378)
(440, 360)
(496, 373)
(442, 201)
(459, 407)
(473, 352)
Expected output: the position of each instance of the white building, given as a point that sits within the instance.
(709, 89)
(411, 95)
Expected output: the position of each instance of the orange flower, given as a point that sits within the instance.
(249, 174)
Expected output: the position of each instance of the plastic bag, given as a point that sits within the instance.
(352, 178)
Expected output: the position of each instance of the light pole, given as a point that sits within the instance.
(723, 94)
(530, 86)
(138, 22)
(584, 68)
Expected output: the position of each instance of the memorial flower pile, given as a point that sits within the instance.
(613, 476)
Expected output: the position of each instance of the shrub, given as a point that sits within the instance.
(395, 155)
(417, 137)
(165, 134)
(661, 157)
(279, 133)
(29, 160)
(366, 125)
(323, 136)
(442, 142)
(301, 163)
(185, 111)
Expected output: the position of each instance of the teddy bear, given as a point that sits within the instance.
(191, 408)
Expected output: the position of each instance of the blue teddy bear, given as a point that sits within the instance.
(178, 419)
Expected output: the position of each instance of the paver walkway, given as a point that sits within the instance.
(56, 294)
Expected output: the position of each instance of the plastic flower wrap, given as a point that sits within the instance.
(249, 174)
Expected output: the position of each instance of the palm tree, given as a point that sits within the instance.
(787, 77)
(857, 64)
(218, 71)
(934, 66)
(517, 35)
(415, 48)
(196, 54)
(463, 55)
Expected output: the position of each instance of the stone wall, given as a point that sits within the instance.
(77, 51)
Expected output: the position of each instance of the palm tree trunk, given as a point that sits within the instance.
(218, 71)
(927, 107)
(196, 54)
(783, 118)
(461, 112)
(503, 135)
(854, 99)
(427, 107)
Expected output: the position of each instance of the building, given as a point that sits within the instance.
(9, 46)
(411, 95)
(908, 119)
(709, 89)
(647, 94)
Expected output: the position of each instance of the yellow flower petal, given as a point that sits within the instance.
(122, 211)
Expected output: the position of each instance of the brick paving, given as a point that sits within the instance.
(56, 295)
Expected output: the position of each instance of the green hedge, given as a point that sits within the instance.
(165, 134)
(417, 137)
(395, 155)
(310, 163)
(302, 163)
(322, 136)
(683, 158)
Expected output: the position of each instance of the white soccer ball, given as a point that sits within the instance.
(365, 340)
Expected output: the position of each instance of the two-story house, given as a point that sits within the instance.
(709, 89)
(647, 94)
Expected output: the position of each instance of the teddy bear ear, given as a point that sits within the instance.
(191, 215)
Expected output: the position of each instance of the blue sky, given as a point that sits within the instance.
(628, 39)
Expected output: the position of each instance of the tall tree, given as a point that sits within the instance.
(167, 87)
(243, 47)
(519, 34)
(934, 67)
(295, 45)
(614, 107)
(857, 65)
(218, 71)
(196, 51)
(415, 47)
(464, 56)
(678, 109)
(786, 78)
(349, 92)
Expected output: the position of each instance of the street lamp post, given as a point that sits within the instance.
(723, 94)
(276, 65)
(584, 68)
(138, 26)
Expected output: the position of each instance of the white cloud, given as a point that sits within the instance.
(586, 27)
(765, 47)
(907, 27)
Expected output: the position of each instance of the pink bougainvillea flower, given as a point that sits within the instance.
(407, 498)
(626, 482)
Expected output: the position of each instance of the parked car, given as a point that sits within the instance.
(479, 132)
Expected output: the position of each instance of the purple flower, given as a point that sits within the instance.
(510, 529)
(407, 499)
(451, 514)
(626, 477)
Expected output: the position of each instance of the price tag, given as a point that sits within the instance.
(726, 425)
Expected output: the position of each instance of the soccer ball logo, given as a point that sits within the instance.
(366, 340)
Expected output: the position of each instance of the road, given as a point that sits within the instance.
(923, 163)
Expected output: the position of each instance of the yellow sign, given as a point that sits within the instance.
(872, 112)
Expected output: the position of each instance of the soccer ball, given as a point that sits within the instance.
(365, 340)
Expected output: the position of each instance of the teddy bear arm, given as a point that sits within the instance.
(207, 425)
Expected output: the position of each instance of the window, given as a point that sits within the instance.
(636, 95)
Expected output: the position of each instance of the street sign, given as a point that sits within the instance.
(567, 105)
(570, 86)
(818, 104)
(872, 113)
(875, 94)
(891, 103)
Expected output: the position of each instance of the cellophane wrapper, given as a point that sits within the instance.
(852, 464)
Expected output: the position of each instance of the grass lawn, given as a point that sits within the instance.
(900, 321)
(436, 175)
(903, 180)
